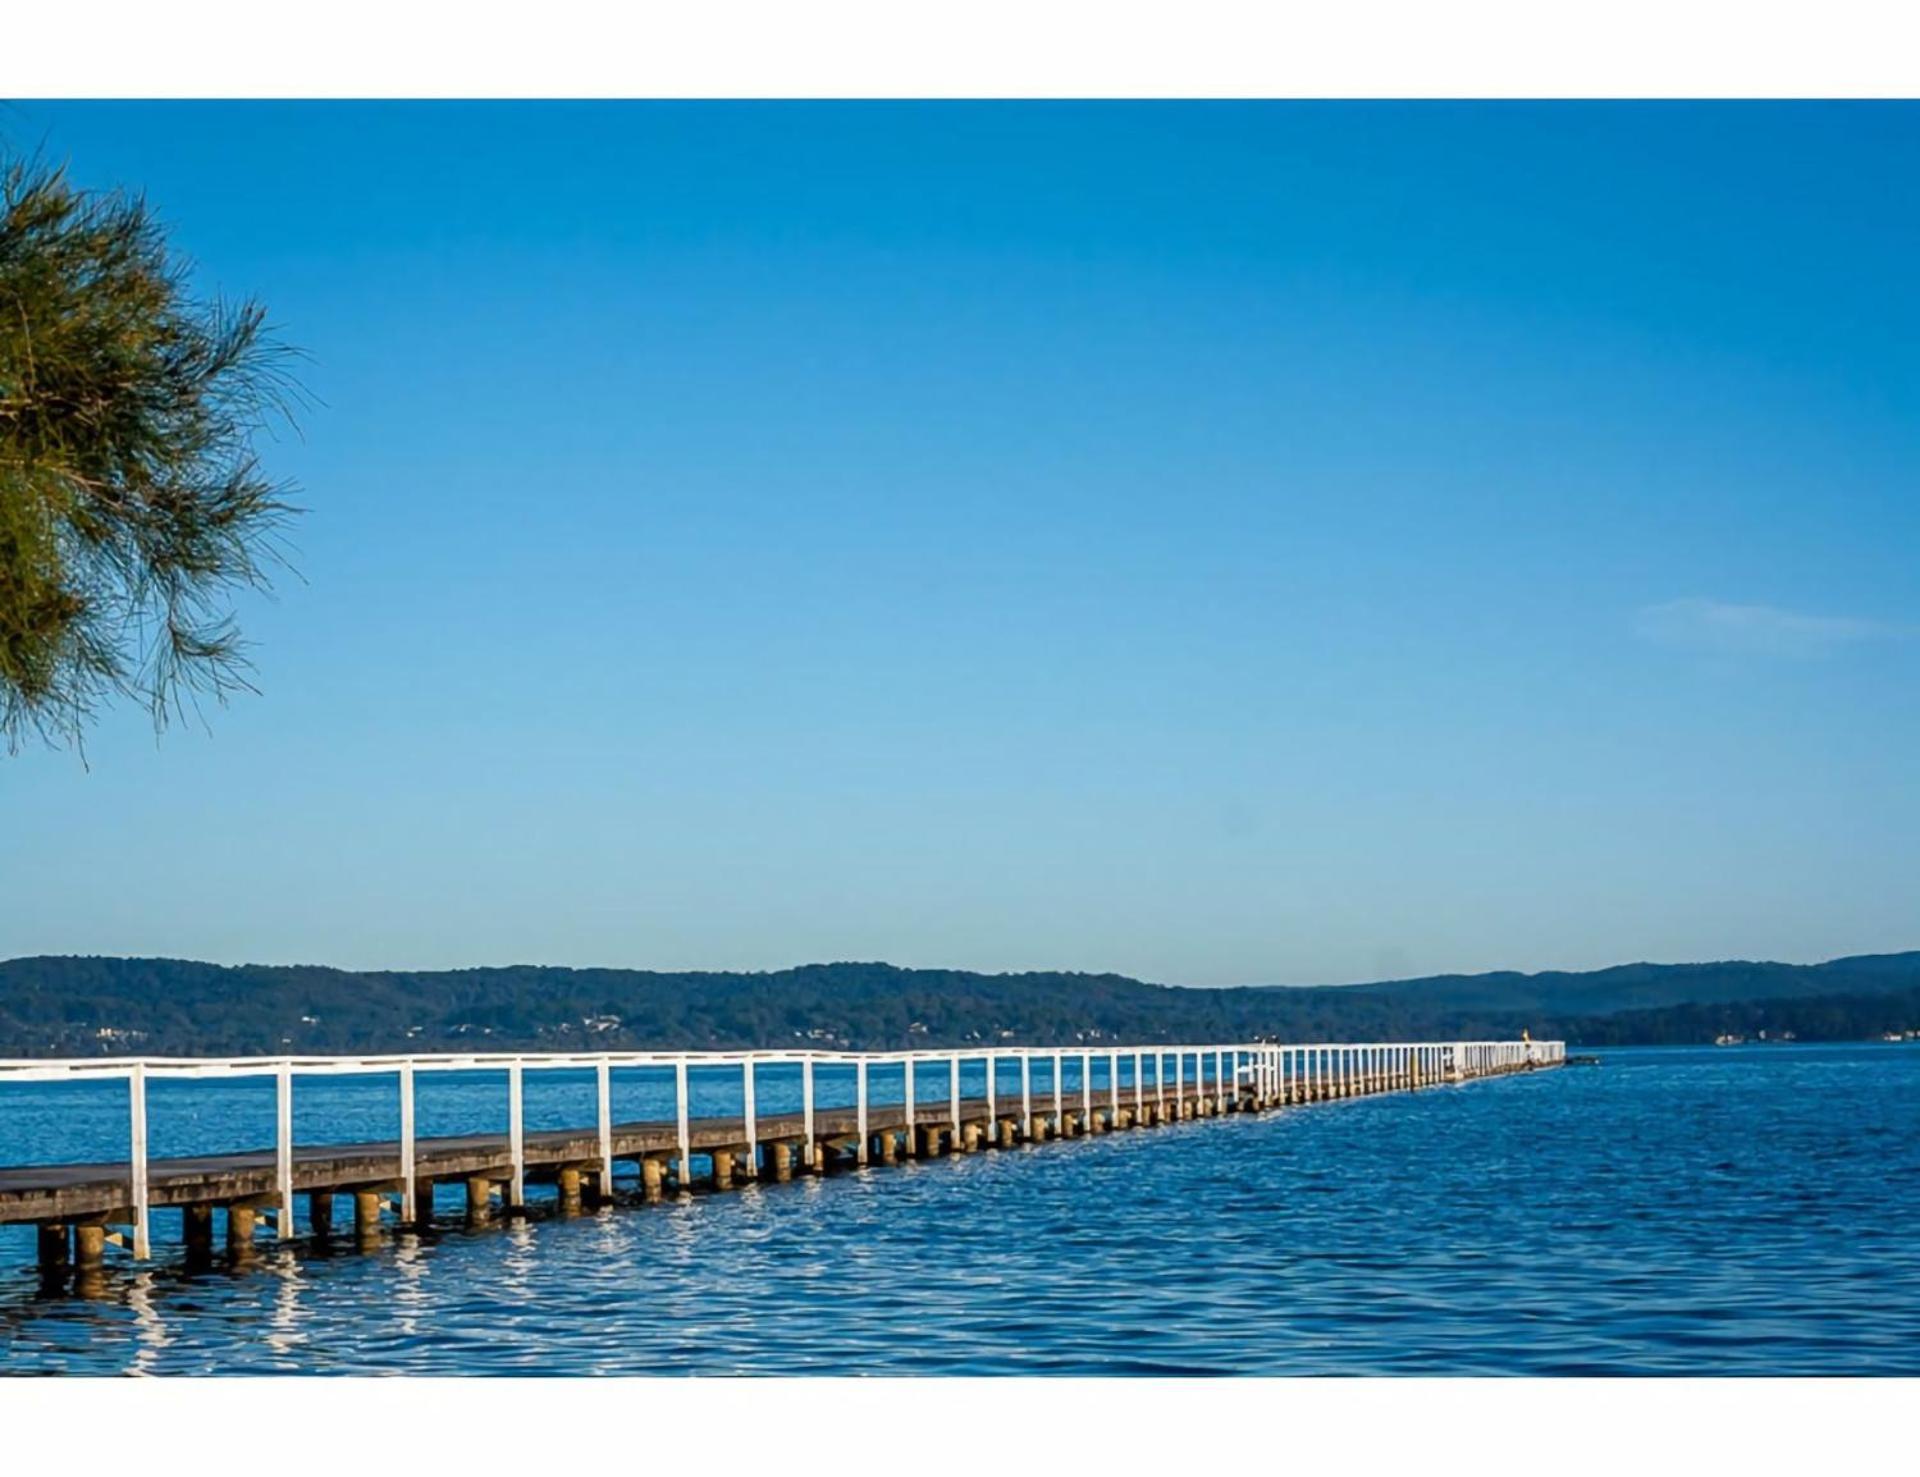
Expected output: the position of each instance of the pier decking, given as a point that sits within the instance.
(81, 1209)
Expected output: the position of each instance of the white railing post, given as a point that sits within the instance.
(913, 1123)
(603, 1092)
(517, 1134)
(1059, 1114)
(1139, 1088)
(953, 1088)
(752, 1126)
(1113, 1087)
(860, 1107)
(1160, 1085)
(806, 1111)
(137, 1163)
(283, 1148)
(993, 1112)
(1026, 1096)
(686, 1135)
(411, 1210)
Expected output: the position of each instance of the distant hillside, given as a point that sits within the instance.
(85, 1006)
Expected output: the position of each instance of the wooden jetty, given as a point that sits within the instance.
(83, 1209)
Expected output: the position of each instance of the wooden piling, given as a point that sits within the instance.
(240, 1224)
(479, 1200)
(89, 1247)
(570, 1201)
(53, 1243)
(196, 1224)
(366, 1214)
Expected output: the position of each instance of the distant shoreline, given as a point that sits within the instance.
(81, 1006)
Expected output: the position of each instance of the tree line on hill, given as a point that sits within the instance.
(87, 1006)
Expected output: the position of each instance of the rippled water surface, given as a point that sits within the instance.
(1675, 1211)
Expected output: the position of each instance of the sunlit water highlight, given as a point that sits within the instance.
(1675, 1211)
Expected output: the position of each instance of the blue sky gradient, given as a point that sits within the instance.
(1220, 543)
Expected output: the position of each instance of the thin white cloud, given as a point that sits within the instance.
(1756, 630)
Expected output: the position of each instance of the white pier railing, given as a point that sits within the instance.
(1258, 1074)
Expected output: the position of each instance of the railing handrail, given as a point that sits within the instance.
(311, 1063)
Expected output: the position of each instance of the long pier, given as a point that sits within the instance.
(81, 1210)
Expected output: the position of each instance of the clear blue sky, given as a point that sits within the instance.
(1217, 543)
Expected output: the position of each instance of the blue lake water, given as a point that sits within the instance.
(1723, 1210)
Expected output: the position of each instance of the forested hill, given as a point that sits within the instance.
(84, 1006)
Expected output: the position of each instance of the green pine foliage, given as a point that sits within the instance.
(132, 506)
